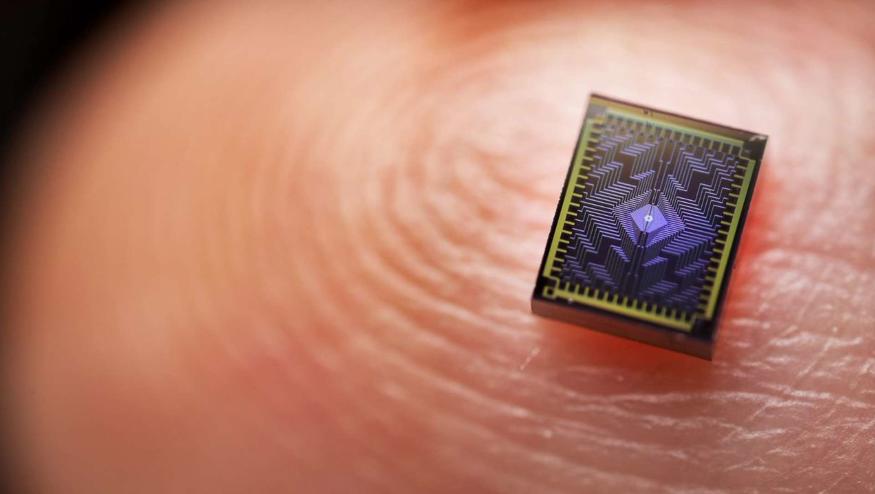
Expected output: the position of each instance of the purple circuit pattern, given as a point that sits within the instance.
(651, 212)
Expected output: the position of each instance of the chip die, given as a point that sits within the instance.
(648, 225)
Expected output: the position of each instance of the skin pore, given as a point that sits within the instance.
(287, 247)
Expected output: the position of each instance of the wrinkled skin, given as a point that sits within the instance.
(290, 248)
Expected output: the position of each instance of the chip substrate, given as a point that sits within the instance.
(648, 225)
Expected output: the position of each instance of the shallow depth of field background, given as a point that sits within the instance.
(289, 247)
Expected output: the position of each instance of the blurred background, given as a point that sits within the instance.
(39, 40)
(39, 37)
(289, 247)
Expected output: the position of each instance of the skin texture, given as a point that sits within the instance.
(290, 247)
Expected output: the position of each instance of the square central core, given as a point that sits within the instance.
(648, 218)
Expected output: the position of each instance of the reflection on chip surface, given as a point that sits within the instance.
(647, 225)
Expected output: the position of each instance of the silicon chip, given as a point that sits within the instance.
(648, 225)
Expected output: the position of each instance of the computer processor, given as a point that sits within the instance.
(648, 225)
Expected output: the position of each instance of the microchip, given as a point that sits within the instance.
(648, 225)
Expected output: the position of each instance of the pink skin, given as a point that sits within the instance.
(289, 248)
